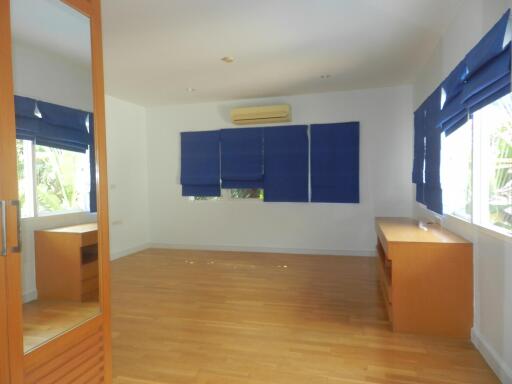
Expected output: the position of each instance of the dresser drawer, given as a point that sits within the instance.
(91, 296)
(90, 285)
(90, 270)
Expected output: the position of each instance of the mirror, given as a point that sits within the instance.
(55, 147)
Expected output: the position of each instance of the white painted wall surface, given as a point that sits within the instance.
(492, 332)
(43, 75)
(128, 179)
(385, 157)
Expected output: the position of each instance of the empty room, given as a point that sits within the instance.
(255, 192)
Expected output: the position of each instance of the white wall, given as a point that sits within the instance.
(385, 156)
(492, 332)
(127, 173)
(49, 77)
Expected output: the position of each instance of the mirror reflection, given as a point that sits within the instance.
(55, 147)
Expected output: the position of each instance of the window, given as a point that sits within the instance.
(456, 171)
(476, 168)
(493, 154)
(246, 193)
(233, 194)
(52, 180)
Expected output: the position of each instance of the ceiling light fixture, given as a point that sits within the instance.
(191, 89)
(228, 59)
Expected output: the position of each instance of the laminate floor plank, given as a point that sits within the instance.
(201, 317)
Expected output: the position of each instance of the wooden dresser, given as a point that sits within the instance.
(426, 276)
(67, 263)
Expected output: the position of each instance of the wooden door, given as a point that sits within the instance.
(82, 353)
(11, 349)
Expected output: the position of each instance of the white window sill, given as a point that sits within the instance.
(57, 215)
(447, 218)
(480, 229)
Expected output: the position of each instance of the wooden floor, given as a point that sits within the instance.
(45, 319)
(226, 318)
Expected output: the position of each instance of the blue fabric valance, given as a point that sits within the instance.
(454, 83)
(242, 158)
(54, 126)
(335, 163)
(58, 127)
(453, 115)
(419, 145)
(200, 163)
(427, 153)
(489, 80)
(60, 116)
(93, 203)
(490, 46)
(482, 77)
(492, 72)
(286, 163)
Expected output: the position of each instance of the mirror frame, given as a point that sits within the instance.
(14, 364)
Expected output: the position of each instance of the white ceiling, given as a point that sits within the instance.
(53, 26)
(155, 49)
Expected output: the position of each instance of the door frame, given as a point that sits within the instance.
(13, 362)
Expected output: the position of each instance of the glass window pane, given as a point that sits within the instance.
(25, 177)
(456, 172)
(62, 180)
(246, 193)
(493, 131)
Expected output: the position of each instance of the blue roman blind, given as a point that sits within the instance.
(419, 153)
(286, 164)
(242, 158)
(59, 127)
(335, 163)
(489, 67)
(52, 125)
(453, 113)
(427, 153)
(200, 163)
(481, 78)
(92, 163)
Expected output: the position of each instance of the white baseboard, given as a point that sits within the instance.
(128, 251)
(299, 251)
(496, 363)
(29, 296)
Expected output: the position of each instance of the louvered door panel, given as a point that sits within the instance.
(80, 361)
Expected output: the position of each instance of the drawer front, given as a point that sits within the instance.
(89, 238)
(90, 270)
(90, 285)
(91, 296)
(385, 283)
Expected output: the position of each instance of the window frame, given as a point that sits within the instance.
(34, 183)
(225, 195)
(475, 219)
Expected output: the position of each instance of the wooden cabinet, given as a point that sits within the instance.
(426, 277)
(67, 263)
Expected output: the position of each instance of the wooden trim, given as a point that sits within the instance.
(102, 183)
(4, 342)
(92, 9)
(5, 78)
(13, 364)
(10, 277)
(82, 6)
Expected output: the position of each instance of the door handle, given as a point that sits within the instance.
(3, 212)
